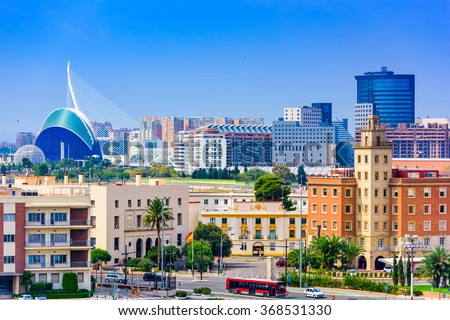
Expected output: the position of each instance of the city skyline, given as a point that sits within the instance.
(234, 58)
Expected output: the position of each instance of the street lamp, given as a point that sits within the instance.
(126, 260)
(410, 244)
(301, 230)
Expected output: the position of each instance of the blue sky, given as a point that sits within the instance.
(234, 58)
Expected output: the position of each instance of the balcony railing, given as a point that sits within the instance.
(73, 264)
(72, 243)
(50, 222)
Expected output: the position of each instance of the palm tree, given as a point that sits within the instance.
(156, 213)
(349, 253)
(329, 248)
(436, 266)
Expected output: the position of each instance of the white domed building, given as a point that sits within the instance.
(31, 152)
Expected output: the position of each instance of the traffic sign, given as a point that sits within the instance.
(444, 296)
(386, 288)
(333, 297)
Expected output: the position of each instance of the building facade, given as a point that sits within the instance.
(392, 95)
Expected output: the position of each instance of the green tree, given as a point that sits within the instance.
(99, 256)
(395, 271)
(26, 163)
(270, 188)
(408, 271)
(282, 172)
(435, 266)
(27, 279)
(203, 256)
(3, 168)
(157, 212)
(212, 234)
(301, 176)
(349, 253)
(401, 272)
(256, 173)
(70, 282)
(329, 247)
(40, 169)
(145, 264)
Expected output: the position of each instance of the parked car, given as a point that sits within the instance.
(40, 296)
(25, 297)
(352, 272)
(152, 276)
(114, 277)
(314, 293)
(281, 262)
(387, 269)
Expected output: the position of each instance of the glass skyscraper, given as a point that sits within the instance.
(392, 95)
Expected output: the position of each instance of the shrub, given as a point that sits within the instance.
(70, 282)
(48, 286)
(181, 294)
(334, 274)
(37, 287)
(205, 290)
(197, 290)
(417, 293)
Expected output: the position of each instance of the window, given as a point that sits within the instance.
(441, 241)
(9, 238)
(427, 209)
(366, 159)
(376, 193)
(366, 175)
(427, 192)
(427, 226)
(411, 226)
(80, 277)
(257, 220)
(385, 176)
(36, 217)
(385, 209)
(116, 203)
(377, 159)
(377, 176)
(359, 158)
(394, 209)
(334, 209)
(291, 220)
(324, 208)
(366, 225)
(36, 259)
(359, 225)
(258, 234)
(314, 224)
(442, 225)
(58, 217)
(58, 238)
(366, 193)
(442, 192)
(348, 193)
(385, 193)
(225, 201)
(58, 259)
(314, 208)
(116, 222)
(395, 242)
(335, 192)
(324, 224)
(291, 233)
(179, 201)
(426, 242)
(380, 243)
(395, 193)
(324, 192)
(442, 209)
(129, 203)
(9, 217)
(93, 203)
(8, 259)
(272, 221)
(359, 175)
(205, 201)
(411, 192)
(359, 208)
(36, 238)
(411, 209)
(216, 201)
(385, 225)
(54, 277)
(394, 226)
(334, 225)
(314, 191)
(359, 192)
(116, 243)
(348, 240)
(348, 225)
(375, 209)
(212, 220)
(179, 219)
(179, 237)
(376, 226)
(348, 208)
(272, 246)
(366, 209)
(138, 221)
(363, 242)
(385, 159)
(139, 202)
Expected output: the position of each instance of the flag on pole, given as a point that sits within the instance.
(189, 237)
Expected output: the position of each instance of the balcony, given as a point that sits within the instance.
(50, 244)
(52, 265)
(52, 223)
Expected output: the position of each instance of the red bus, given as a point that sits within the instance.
(257, 287)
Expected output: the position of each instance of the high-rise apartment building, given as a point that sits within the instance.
(24, 138)
(306, 116)
(392, 95)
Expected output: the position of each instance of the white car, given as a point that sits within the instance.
(314, 293)
(352, 272)
(25, 297)
(114, 277)
(387, 269)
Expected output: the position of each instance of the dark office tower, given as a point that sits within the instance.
(327, 111)
(392, 95)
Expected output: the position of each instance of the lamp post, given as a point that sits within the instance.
(410, 244)
(126, 261)
(300, 262)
